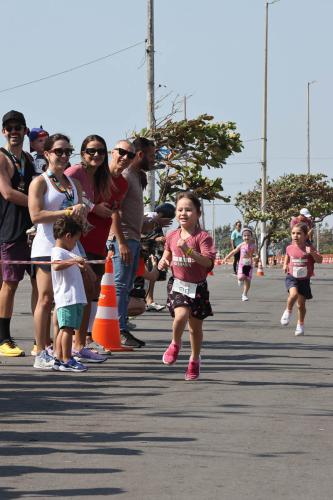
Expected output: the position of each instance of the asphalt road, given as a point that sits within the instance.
(257, 425)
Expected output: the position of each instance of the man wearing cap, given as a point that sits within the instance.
(16, 172)
(37, 138)
(304, 217)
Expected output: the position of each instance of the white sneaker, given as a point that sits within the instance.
(285, 318)
(244, 298)
(43, 361)
(299, 330)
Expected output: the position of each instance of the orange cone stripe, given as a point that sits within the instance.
(107, 312)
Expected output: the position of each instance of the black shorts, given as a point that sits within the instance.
(45, 267)
(302, 285)
(200, 305)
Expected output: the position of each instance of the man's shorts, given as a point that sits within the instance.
(18, 250)
(70, 316)
(302, 285)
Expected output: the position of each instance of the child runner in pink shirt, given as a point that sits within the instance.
(298, 264)
(245, 267)
(190, 252)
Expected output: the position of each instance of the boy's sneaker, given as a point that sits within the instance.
(285, 318)
(127, 339)
(171, 354)
(244, 298)
(299, 330)
(43, 361)
(193, 370)
(10, 349)
(72, 366)
(94, 346)
(88, 356)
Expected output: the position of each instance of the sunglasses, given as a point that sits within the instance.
(17, 128)
(93, 151)
(62, 151)
(124, 152)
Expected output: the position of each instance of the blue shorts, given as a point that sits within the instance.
(70, 316)
(302, 285)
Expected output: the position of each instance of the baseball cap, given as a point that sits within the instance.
(305, 212)
(14, 116)
(37, 132)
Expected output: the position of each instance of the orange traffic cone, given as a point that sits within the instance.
(260, 270)
(106, 325)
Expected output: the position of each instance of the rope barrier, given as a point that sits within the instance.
(38, 262)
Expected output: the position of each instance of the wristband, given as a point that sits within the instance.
(68, 212)
(189, 251)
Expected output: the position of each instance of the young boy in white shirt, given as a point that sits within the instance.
(68, 288)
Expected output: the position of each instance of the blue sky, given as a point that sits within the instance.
(211, 50)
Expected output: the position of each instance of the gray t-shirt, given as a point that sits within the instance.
(131, 212)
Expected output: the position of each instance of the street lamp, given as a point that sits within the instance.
(308, 122)
(263, 253)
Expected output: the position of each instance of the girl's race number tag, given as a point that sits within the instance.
(247, 261)
(185, 288)
(300, 272)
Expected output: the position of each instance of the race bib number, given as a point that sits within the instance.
(300, 272)
(185, 288)
(246, 261)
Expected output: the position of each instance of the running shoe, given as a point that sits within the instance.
(56, 365)
(171, 354)
(193, 370)
(130, 325)
(72, 365)
(94, 346)
(43, 361)
(49, 350)
(244, 298)
(10, 349)
(299, 330)
(153, 307)
(88, 356)
(285, 318)
(127, 339)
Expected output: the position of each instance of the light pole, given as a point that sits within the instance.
(263, 253)
(150, 93)
(308, 123)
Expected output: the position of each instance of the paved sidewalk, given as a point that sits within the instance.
(257, 425)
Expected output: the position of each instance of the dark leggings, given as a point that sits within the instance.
(236, 261)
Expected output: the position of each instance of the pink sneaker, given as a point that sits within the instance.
(171, 354)
(193, 370)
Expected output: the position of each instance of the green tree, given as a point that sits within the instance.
(285, 197)
(189, 146)
(222, 239)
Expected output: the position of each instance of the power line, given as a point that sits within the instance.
(74, 68)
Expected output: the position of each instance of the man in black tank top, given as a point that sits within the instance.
(16, 172)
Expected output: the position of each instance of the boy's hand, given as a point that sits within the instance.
(80, 261)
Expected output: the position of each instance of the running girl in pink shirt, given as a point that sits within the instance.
(245, 267)
(190, 253)
(298, 264)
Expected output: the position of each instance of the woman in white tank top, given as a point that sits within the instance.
(50, 195)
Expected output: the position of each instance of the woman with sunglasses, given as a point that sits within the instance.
(50, 196)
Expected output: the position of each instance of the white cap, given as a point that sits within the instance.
(305, 212)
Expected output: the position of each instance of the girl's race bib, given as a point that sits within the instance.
(184, 287)
(300, 272)
(246, 261)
